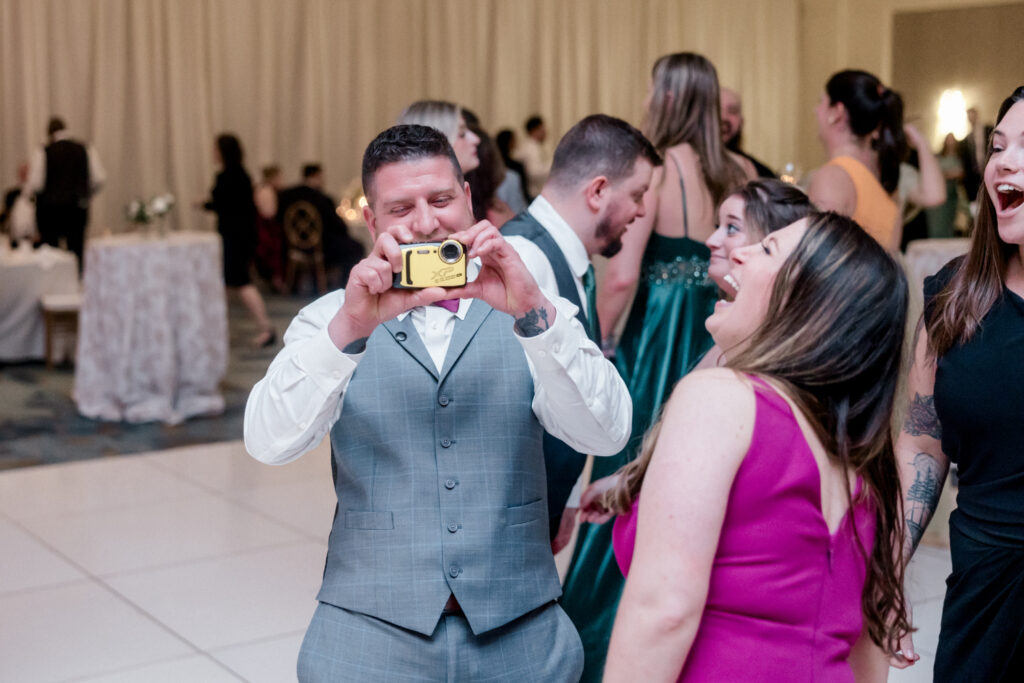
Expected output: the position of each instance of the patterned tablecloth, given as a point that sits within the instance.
(26, 275)
(152, 340)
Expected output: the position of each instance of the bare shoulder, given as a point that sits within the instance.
(832, 189)
(710, 412)
(714, 392)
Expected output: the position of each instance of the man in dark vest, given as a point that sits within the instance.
(439, 563)
(601, 169)
(64, 175)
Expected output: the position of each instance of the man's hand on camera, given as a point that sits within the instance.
(504, 281)
(370, 298)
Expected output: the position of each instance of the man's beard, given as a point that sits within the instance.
(614, 246)
(733, 144)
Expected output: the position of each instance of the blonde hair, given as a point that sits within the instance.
(444, 116)
(684, 108)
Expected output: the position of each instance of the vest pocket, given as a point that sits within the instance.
(369, 519)
(521, 514)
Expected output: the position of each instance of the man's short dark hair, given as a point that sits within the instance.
(406, 142)
(599, 145)
(55, 125)
(533, 123)
(310, 170)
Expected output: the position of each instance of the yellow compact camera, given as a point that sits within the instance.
(432, 264)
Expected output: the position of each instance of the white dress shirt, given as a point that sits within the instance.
(575, 255)
(578, 395)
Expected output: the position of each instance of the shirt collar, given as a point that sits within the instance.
(566, 239)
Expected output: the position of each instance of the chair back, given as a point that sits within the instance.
(303, 226)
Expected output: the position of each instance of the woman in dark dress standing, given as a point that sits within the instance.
(232, 200)
(966, 389)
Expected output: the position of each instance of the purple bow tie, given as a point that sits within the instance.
(451, 305)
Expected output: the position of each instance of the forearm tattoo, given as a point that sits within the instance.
(922, 497)
(921, 418)
(533, 322)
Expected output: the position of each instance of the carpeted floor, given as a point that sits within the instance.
(39, 423)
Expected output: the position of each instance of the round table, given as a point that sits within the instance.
(153, 338)
(26, 276)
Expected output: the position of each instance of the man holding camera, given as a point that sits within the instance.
(439, 564)
(600, 173)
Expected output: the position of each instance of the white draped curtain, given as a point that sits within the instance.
(151, 82)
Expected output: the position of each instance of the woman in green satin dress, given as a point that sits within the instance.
(665, 259)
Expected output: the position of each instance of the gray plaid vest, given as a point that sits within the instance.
(440, 481)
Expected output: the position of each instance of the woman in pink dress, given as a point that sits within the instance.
(765, 544)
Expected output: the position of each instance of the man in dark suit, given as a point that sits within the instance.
(601, 169)
(341, 252)
(64, 175)
(973, 149)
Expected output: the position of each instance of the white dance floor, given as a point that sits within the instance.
(197, 564)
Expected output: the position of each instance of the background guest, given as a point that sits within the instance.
(860, 123)
(18, 219)
(341, 251)
(973, 149)
(965, 407)
(447, 118)
(232, 200)
(63, 176)
(506, 142)
(533, 156)
(664, 335)
(486, 180)
(269, 235)
(942, 218)
(732, 130)
(769, 487)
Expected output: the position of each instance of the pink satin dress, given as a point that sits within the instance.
(784, 601)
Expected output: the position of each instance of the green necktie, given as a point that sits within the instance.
(590, 289)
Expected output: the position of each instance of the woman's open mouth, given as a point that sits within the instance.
(1010, 196)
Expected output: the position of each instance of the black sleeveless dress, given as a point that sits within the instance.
(979, 400)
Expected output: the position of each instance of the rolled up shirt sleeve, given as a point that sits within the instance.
(291, 409)
(579, 396)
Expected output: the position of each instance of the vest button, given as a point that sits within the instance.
(454, 571)
(445, 443)
(450, 484)
(400, 336)
(443, 400)
(453, 527)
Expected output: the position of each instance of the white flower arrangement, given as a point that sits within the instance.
(142, 213)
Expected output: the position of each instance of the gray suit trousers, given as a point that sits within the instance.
(541, 646)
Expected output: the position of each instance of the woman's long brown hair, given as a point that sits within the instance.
(684, 107)
(832, 338)
(977, 282)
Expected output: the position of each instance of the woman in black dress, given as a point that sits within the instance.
(966, 387)
(232, 200)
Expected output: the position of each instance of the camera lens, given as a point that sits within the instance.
(450, 251)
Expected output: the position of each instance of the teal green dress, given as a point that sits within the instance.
(664, 337)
